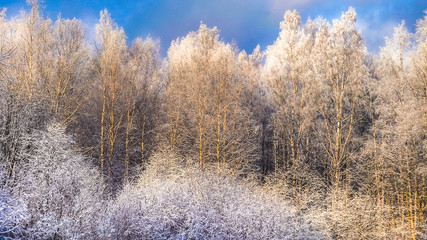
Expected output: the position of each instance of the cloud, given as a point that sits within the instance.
(374, 34)
(279, 5)
(277, 8)
(247, 22)
(89, 21)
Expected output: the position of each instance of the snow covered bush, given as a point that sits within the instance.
(61, 192)
(12, 210)
(174, 200)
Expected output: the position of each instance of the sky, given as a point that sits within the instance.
(247, 22)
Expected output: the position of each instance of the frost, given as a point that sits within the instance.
(183, 202)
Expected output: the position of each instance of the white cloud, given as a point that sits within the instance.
(375, 31)
(279, 6)
(89, 22)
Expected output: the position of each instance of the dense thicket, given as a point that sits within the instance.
(313, 138)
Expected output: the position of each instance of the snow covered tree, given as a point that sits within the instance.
(109, 67)
(143, 93)
(64, 69)
(288, 72)
(340, 71)
(401, 132)
(254, 101)
(204, 88)
(61, 192)
(32, 47)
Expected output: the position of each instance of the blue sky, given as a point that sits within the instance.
(248, 22)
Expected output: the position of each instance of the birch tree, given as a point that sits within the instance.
(288, 72)
(143, 94)
(340, 72)
(190, 62)
(109, 69)
(32, 45)
(204, 91)
(401, 133)
(64, 69)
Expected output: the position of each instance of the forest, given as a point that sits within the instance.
(313, 138)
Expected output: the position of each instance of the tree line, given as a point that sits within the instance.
(315, 117)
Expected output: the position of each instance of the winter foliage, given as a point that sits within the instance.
(177, 200)
(313, 138)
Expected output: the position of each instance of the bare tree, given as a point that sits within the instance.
(401, 127)
(288, 72)
(109, 64)
(142, 93)
(340, 71)
(63, 69)
(205, 108)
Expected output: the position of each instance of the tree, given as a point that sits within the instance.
(32, 46)
(19, 113)
(401, 131)
(419, 90)
(143, 94)
(109, 64)
(64, 68)
(288, 74)
(254, 103)
(204, 92)
(339, 70)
